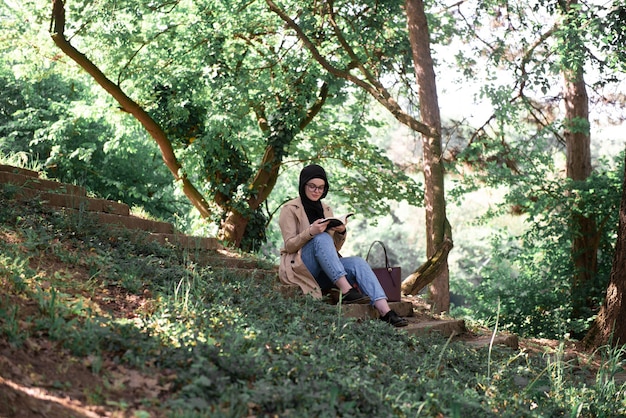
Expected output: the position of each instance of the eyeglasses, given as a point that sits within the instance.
(314, 188)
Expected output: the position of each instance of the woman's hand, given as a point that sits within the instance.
(341, 229)
(317, 227)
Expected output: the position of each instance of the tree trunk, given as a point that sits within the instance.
(610, 326)
(433, 167)
(233, 228)
(234, 225)
(578, 142)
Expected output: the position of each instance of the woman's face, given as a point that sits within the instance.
(314, 189)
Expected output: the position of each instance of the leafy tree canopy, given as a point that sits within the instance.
(227, 84)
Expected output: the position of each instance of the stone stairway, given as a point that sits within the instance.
(27, 184)
(411, 307)
(74, 199)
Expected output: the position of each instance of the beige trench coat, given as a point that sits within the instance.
(294, 226)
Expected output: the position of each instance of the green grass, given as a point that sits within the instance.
(231, 346)
(22, 160)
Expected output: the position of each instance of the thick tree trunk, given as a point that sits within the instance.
(233, 228)
(610, 326)
(435, 203)
(578, 142)
(585, 242)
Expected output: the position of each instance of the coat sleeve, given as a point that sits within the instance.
(292, 271)
(295, 235)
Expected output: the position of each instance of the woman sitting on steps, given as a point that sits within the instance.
(310, 258)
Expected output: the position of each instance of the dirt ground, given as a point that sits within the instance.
(42, 379)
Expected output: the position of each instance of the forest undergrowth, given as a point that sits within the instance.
(102, 323)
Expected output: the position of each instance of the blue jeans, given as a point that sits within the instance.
(321, 259)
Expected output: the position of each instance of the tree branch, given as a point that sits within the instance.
(428, 271)
(57, 26)
(377, 91)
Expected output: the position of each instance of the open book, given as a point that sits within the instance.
(334, 221)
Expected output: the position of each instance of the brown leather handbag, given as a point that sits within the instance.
(390, 278)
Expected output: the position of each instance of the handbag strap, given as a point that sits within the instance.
(384, 250)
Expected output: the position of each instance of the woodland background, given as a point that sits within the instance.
(237, 96)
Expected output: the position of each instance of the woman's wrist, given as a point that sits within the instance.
(311, 235)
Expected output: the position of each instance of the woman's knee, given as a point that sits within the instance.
(323, 239)
(359, 263)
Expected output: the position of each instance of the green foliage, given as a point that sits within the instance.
(375, 32)
(570, 43)
(180, 119)
(612, 34)
(233, 86)
(226, 84)
(9, 325)
(226, 167)
(533, 301)
(50, 121)
(532, 274)
(526, 57)
(519, 59)
(28, 110)
(362, 176)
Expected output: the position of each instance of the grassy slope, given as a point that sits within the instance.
(93, 324)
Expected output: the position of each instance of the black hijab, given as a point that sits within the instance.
(314, 210)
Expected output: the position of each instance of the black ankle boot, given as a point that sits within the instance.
(354, 296)
(392, 318)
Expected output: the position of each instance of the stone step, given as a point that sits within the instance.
(417, 326)
(445, 327)
(73, 200)
(129, 222)
(258, 274)
(83, 203)
(286, 290)
(134, 222)
(228, 260)
(18, 170)
(191, 243)
(30, 182)
(508, 340)
(367, 311)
